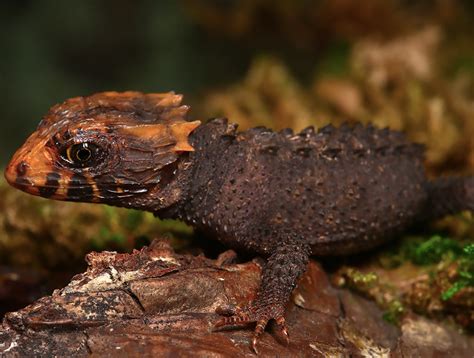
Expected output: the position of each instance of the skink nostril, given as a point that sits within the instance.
(22, 168)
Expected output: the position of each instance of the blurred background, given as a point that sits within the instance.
(318, 52)
(404, 64)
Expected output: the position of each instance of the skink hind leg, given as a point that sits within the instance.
(279, 278)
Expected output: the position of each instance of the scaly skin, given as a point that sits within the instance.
(281, 195)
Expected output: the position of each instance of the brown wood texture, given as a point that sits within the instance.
(155, 303)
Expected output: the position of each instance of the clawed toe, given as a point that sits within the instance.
(283, 329)
(259, 328)
(237, 319)
(246, 316)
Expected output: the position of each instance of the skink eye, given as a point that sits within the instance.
(79, 153)
(82, 154)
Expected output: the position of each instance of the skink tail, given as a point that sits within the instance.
(450, 195)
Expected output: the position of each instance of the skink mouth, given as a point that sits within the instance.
(23, 184)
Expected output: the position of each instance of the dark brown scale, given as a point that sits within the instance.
(262, 161)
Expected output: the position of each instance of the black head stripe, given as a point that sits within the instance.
(79, 189)
(51, 185)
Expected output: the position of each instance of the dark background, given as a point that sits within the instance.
(52, 50)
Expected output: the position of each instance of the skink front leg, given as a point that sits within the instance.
(280, 274)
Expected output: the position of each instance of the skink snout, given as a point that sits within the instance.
(16, 173)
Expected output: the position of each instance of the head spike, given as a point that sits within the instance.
(181, 132)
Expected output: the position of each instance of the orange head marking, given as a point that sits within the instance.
(107, 147)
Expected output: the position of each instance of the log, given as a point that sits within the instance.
(155, 302)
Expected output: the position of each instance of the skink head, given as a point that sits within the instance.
(108, 147)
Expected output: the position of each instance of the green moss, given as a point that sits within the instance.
(358, 280)
(394, 312)
(433, 250)
(469, 250)
(438, 249)
(420, 251)
(465, 273)
(366, 279)
(438, 256)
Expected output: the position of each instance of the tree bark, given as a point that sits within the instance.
(157, 303)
